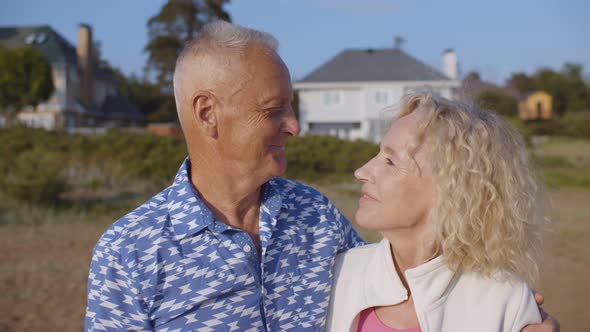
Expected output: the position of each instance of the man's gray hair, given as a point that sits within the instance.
(220, 35)
(226, 35)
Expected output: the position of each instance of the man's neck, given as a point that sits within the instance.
(232, 201)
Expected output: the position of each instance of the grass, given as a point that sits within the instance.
(563, 162)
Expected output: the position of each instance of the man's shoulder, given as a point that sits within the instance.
(148, 217)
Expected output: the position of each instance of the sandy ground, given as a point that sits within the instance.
(43, 268)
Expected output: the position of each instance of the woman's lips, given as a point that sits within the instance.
(366, 197)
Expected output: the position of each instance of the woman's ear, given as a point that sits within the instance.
(204, 111)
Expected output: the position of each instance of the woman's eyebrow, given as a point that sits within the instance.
(388, 150)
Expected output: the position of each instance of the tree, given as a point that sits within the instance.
(25, 79)
(578, 90)
(473, 75)
(498, 101)
(177, 22)
(522, 83)
(143, 93)
(567, 87)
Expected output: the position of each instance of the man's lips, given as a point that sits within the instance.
(276, 148)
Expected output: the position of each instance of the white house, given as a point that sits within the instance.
(349, 95)
(86, 93)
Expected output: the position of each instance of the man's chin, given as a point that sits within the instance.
(278, 166)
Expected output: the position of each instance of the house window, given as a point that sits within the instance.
(381, 97)
(332, 98)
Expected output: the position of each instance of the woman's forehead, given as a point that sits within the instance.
(402, 129)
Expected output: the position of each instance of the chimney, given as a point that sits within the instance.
(450, 65)
(398, 41)
(86, 64)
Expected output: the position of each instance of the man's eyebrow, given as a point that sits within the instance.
(272, 100)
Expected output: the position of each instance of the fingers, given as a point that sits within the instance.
(539, 298)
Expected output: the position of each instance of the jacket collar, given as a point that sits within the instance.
(429, 282)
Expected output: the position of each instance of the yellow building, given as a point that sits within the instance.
(536, 106)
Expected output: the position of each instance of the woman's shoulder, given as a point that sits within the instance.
(499, 282)
(356, 255)
(504, 292)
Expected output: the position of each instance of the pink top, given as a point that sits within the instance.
(369, 322)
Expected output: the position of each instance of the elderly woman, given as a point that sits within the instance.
(454, 197)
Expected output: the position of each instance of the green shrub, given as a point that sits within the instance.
(34, 176)
(577, 124)
(552, 127)
(524, 130)
(314, 157)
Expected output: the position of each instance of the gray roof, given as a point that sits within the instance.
(119, 106)
(51, 44)
(374, 65)
(42, 38)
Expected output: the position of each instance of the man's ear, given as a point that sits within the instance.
(204, 112)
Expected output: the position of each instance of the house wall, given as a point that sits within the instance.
(63, 108)
(39, 119)
(537, 106)
(363, 110)
(58, 100)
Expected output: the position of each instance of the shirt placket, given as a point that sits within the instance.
(244, 242)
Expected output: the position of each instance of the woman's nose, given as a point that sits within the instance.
(361, 173)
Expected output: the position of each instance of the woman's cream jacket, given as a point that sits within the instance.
(444, 300)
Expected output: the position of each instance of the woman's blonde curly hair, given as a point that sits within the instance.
(488, 210)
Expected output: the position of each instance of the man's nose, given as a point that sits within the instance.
(291, 125)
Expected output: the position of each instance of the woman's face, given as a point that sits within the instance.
(397, 191)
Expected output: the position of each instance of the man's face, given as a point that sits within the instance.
(257, 119)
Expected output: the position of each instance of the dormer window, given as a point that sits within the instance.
(35, 38)
(41, 38)
(30, 38)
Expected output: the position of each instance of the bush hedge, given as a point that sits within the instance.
(39, 166)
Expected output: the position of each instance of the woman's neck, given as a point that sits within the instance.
(409, 249)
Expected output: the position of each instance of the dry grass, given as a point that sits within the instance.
(565, 274)
(43, 273)
(44, 267)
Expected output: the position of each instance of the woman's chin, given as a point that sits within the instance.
(365, 221)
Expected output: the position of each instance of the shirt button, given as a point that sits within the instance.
(247, 248)
(263, 291)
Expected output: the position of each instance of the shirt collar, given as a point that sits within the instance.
(189, 214)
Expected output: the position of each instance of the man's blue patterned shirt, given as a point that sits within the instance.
(170, 266)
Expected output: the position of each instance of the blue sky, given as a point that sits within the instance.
(495, 38)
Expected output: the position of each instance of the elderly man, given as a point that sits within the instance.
(228, 246)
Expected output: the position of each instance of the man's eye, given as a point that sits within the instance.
(273, 110)
(389, 162)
